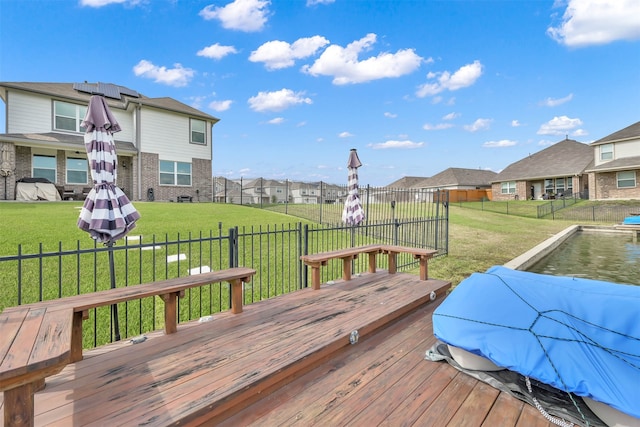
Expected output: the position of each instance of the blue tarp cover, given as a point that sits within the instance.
(632, 220)
(577, 335)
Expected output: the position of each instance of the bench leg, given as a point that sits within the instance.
(424, 271)
(171, 312)
(393, 262)
(76, 335)
(315, 277)
(18, 406)
(236, 296)
(346, 268)
(372, 262)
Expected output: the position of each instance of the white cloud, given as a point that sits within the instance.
(278, 54)
(439, 126)
(177, 76)
(216, 51)
(343, 65)
(499, 144)
(243, 15)
(276, 121)
(221, 105)
(550, 102)
(100, 3)
(559, 126)
(450, 116)
(464, 77)
(480, 124)
(396, 144)
(515, 123)
(314, 2)
(390, 115)
(597, 22)
(277, 101)
(345, 134)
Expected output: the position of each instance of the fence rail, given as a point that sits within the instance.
(274, 251)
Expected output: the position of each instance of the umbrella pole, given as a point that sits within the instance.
(114, 307)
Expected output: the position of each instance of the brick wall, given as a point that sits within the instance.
(201, 180)
(606, 187)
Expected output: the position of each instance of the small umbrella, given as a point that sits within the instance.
(107, 214)
(353, 214)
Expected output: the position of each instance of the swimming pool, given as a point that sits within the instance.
(601, 255)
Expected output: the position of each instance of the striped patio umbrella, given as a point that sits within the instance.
(107, 214)
(353, 214)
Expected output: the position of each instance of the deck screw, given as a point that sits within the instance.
(353, 338)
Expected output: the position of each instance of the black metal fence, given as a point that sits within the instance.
(571, 208)
(274, 251)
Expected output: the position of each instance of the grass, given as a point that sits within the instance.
(29, 224)
(481, 239)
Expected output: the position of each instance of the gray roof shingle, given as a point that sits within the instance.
(629, 132)
(565, 158)
(459, 177)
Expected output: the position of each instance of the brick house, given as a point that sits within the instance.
(461, 183)
(164, 148)
(616, 168)
(559, 169)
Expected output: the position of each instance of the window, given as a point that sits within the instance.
(175, 173)
(198, 132)
(68, 116)
(509, 187)
(626, 179)
(44, 167)
(77, 171)
(606, 152)
(560, 185)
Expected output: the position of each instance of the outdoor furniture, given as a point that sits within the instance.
(316, 261)
(47, 336)
(181, 199)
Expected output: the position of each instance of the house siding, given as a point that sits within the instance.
(29, 113)
(161, 131)
(621, 149)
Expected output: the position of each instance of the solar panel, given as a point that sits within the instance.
(106, 89)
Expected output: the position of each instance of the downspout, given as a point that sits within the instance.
(139, 157)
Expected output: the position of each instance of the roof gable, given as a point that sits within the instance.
(629, 132)
(565, 158)
(459, 176)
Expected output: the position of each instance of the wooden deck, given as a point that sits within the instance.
(286, 361)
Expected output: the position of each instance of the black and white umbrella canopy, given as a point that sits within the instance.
(353, 214)
(107, 214)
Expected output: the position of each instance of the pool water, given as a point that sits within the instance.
(611, 257)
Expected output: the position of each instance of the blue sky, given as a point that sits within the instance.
(416, 86)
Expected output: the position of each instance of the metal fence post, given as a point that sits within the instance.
(305, 251)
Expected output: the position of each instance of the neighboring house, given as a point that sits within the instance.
(556, 170)
(406, 182)
(616, 170)
(462, 184)
(303, 192)
(164, 148)
(266, 191)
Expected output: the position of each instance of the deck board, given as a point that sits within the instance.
(288, 361)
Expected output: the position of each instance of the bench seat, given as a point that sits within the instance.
(318, 260)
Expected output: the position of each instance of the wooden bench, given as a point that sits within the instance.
(316, 261)
(40, 339)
